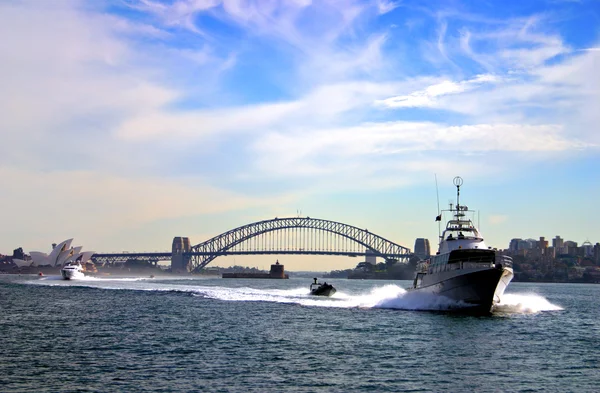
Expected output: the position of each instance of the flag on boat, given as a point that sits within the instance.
(439, 218)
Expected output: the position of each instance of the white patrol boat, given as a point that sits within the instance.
(464, 269)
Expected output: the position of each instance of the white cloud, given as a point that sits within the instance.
(375, 153)
(180, 13)
(396, 137)
(527, 58)
(70, 76)
(326, 49)
(385, 6)
(323, 105)
(441, 38)
(428, 96)
(162, 124)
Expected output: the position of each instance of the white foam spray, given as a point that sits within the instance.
(525, 303)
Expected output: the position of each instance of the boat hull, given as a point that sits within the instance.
(323, 291)
(476, 290)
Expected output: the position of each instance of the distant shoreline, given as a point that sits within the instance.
(146, 272)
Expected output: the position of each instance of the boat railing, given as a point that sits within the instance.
(473, 262)
(505, 260)
(423, 265)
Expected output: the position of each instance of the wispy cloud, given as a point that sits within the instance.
(428, 96)
(385, 6)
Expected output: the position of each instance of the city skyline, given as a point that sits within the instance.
(126, 124)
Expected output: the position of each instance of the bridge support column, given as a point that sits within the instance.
(179, 262)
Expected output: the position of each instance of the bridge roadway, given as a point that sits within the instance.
(278, 236)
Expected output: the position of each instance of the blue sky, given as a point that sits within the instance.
(126, 123)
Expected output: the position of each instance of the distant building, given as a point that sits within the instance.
(520, 244)
(422, 248)
(542, 246)
(558, 244)
(514, 244)
(18, 253)
(570, 248)
(588, 249)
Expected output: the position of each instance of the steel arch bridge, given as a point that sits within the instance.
(295, 235)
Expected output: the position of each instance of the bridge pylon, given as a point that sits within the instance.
(180, 259)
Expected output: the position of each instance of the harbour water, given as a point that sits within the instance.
(240, 335)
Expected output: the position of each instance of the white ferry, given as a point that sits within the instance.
(72, 271)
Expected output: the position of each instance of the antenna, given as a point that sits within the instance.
(438, 209)
(458, 181)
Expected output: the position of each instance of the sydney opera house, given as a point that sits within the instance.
(60, 255)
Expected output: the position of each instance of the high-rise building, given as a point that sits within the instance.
(514, 244)
(570, 247)
(558, 244)
(422, 248)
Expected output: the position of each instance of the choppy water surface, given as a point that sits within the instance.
(200, 334)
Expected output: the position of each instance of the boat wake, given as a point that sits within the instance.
(384, 297)
(92, 279)
(511, 303)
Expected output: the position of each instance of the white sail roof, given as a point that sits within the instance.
(60, 254)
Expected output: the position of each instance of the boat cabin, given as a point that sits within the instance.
(460, 233)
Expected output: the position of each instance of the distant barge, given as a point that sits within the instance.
(277, 272)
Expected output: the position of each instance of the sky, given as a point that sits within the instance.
(125, 123)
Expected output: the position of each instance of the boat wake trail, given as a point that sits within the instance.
(92, 279)
(383, 297)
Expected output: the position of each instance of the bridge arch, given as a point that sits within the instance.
(203, 253)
